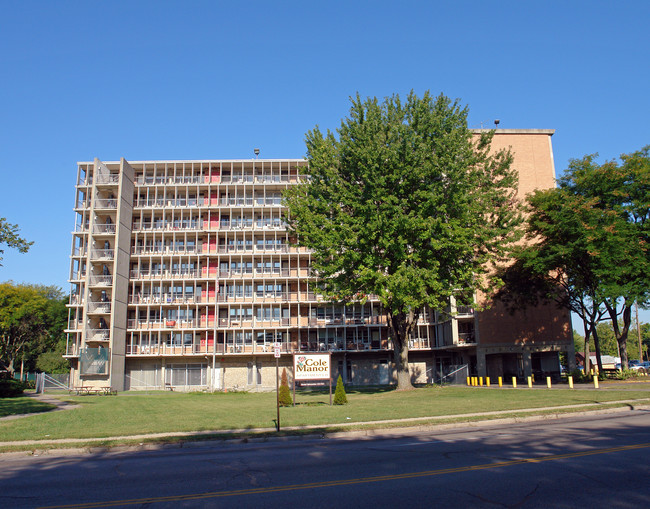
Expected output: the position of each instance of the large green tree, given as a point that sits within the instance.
(32, 320)
(588, 243)
(405, 204)
(9, 237)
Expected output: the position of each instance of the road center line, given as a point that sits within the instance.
(346, 482)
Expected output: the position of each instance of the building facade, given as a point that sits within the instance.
(183, 276)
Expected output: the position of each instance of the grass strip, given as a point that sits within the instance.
(319, 431)
(140, 413)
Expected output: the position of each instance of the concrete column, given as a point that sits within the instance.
(528, 365)
(481, 366)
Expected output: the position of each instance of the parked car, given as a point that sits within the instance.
(643, 367)
(635, 365)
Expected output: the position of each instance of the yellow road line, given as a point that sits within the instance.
(346, 482)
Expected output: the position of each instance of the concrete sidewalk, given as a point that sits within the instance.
(375, 428)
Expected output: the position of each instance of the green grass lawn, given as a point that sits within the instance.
(140, 413)
(22, 405)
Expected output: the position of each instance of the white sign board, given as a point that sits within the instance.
(311, 366)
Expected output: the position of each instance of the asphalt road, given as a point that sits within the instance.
(586, 461)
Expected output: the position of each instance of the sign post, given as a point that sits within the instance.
(276, 354)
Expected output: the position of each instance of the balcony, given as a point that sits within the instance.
(165, 299)
(160, 324)
(99, 308)
(101, 280)
(96, 335)
(164, 274)
(259, 248)
(148, 180)
(102, 254)
(79, 275)
(104, 229)
(160, 250)
(104, 203)
(75, 300)
(103, 179)
(237, 179)
(192, 225)
(466, 338)
(172, 203)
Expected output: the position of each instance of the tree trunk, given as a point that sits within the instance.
(10, 366)
(599, 361)
(621, 334)
(587, 361)
(400, 326)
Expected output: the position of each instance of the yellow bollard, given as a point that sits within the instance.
(500, 382)
(468, 381)
(480, 381)
(570, 378)
(530, 382)
(548, 382)
(595, 382)
(487, 381)
(514, 382)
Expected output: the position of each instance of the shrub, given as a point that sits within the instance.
(285, 394)
(10, 388)
(340, 397)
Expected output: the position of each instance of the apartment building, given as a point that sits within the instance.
(183, 276)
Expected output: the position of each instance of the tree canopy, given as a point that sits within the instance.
(406, 204)
(9, 237)
(588, 238)
(32, 321)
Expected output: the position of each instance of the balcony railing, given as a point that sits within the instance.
(160, 180)
(97, 335)
(166, 324)
(104, 228)
(164, 274)
(99, 307)
(103, 203)
(171, 203)
(144, 250)
(102, 254)
(201, 346)
(250, 224)
(101, 280)
(168, 226)
(258, 248)
(165, 299)
(107, 179)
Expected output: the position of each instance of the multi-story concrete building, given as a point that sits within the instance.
(183, 275)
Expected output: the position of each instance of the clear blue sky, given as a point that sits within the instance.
(209, 79)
